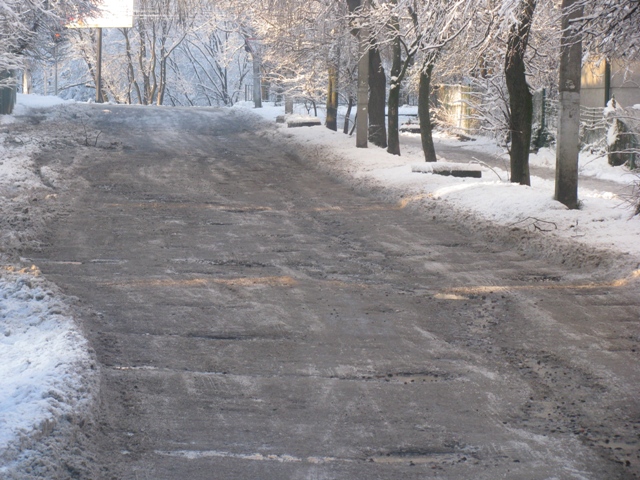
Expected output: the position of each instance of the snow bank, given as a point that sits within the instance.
(44, 362)
(32, 101)
(38, 101)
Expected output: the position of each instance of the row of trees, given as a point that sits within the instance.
(506, 46)
(200, 52)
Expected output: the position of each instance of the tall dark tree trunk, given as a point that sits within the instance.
(332, 91)
(520, 98)
(394, 92)
(424, 113)
(377, 99)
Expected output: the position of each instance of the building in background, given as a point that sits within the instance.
(603, 80)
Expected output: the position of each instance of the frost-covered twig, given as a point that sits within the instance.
(480, 162)
(535, 224)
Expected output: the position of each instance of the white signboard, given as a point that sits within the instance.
(113, 14)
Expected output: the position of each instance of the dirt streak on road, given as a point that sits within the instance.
(255, 318)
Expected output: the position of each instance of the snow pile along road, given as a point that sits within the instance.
(44, 362)
(47, 376)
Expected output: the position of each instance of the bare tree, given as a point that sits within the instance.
(160, 28)
(448, 21)
(212, 64)
(417, 31)
(520, 97)
(403, 53)
(610, 28)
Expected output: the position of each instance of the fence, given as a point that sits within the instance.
(456, 107)
(593, 125)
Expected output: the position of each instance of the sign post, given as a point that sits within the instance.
(113, 14)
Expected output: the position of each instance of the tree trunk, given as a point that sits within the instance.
(362, 116)
(347, 116)
(332, 91)
(130, 70)
(568, 146)
(520, 98)
(142, 60)
(377, 99)
(394, 92)
(425, 115)
(257, 87)
(163, 78)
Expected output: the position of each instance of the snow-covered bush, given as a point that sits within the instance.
(623, 145)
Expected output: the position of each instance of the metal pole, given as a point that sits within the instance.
(99, 98)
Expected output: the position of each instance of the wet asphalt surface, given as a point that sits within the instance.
(254, 318)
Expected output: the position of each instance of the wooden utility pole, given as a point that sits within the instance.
(568, 141)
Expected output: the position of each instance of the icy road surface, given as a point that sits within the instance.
(255, 318)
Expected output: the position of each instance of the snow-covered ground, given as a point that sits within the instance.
(45, 364)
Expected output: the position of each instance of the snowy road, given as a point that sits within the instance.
(254, 318)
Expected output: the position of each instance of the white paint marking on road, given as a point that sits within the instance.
(197, 454)
(141, 367)
(108, 261)
(449, 296)
(49, 262)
